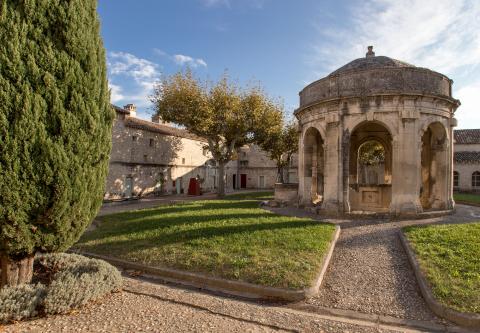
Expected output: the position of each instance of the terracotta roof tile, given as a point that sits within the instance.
(467, 157)
(467, 136)
(159, 128)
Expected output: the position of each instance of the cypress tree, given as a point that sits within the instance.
(55, 128)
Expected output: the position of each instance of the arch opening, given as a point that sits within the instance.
(434, 168)
(313, 157)
(370, 168)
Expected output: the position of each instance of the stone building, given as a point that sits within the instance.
(466, 174)
(153, 157)
(406, 110)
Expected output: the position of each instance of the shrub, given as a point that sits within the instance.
(70, 281)
(78, 283)
(20, 301)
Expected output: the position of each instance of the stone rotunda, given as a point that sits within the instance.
(376, 136)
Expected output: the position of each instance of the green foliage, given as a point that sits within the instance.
(20, 302)
(280, 144)
(79, 281)
(231, 238)
(449, 256)
(55, 123)
(76, 280)
(226, 115)
(371, 153)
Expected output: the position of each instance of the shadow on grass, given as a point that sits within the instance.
(181, 207)
(123, 247)
(158, 222)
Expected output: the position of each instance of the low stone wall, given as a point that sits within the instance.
(286, 192)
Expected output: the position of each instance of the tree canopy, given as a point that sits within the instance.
(55, 124)
(223, 113)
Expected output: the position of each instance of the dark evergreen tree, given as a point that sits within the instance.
(55, 128)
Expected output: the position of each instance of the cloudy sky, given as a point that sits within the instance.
(287, 44)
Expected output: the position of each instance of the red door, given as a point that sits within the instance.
(243, 181)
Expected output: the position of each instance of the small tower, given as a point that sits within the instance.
(132, 109)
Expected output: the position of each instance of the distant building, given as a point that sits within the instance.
(154, 157)
(466, 174)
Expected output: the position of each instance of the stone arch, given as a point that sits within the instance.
(434, 172)
(370, 197)
(360, 121)
(313, 166)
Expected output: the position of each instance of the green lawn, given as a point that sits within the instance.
(449, 255)
(231, 238)
(467, 197)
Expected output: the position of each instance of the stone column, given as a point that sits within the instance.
(450, 201)
(300, 169)
(313, 187)
(333, 165)
(406, 168)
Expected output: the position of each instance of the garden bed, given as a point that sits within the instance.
(447, 261)
(231, 239)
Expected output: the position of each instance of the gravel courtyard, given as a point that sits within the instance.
(149, 307)
(369, 271)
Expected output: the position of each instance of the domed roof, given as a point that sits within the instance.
(370, 62)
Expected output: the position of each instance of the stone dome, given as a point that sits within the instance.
(368, 63)
(373, 76)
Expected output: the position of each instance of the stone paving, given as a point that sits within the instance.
(369, 271)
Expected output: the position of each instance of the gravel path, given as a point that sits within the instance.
(148, 307)
(369, 271)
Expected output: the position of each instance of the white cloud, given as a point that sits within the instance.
(211, 3)
(115, 93)
(468, 114)
(439, 34)
(129, 72)
(181, 59)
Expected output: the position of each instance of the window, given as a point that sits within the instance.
(183, 160)
(134, 138)
(244, 154)
(145, 158)
(152, 143)
(476, 179)
(244, 163)
(456, 176)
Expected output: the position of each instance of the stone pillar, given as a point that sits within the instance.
(450, 201)
(406, 168)
(314, 185)
(333, 165)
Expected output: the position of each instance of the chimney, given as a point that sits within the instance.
(158, 120)
(370, 52)
(132, 109)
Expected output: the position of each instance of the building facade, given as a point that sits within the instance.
(466, 174)
(156, 158)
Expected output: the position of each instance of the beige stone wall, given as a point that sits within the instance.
(467, 147)
(146, 156)
(143, 157)
(465, 172)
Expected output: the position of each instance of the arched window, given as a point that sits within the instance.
(476, 179)
(456, 177)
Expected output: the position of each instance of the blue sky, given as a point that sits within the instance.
(286, 44)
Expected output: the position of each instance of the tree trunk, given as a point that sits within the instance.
(15, 272)
(287, 174)
(221, 179)
(280, 174)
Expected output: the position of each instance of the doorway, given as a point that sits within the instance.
(234, 183)
(243, 181)
(128, 187)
